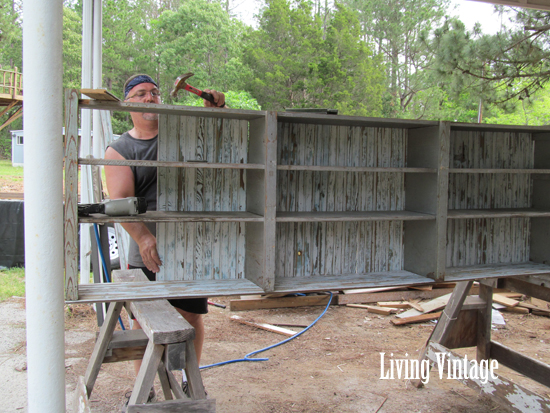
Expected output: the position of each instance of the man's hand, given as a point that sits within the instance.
(148, 250)
(219, 98)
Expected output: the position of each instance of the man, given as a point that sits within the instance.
(140, 143)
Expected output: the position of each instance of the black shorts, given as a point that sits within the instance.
(191, 305)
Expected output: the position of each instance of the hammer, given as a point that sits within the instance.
(181, 83)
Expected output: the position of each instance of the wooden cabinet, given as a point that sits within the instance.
(254, 201)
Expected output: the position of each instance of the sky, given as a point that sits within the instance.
(469, 12)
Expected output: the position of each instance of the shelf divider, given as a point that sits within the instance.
(71, 195)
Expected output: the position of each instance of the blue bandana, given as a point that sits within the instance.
(136, 81)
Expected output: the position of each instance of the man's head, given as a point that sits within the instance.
(142, 89)
(138, 80)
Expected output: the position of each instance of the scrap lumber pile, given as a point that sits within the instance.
(409, 304)
(415, 310)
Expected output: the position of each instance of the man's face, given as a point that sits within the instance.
(145, 93)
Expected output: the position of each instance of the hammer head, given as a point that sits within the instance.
(180, 83)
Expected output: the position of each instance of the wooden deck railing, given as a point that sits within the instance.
(11, 83)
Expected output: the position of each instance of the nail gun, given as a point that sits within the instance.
(115, 207)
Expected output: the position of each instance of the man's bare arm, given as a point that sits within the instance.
(120, 184)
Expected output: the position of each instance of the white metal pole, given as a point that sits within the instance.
(97, 76)
(86, 139)
(42, 123)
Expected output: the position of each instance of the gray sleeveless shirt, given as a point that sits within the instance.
(145, 180)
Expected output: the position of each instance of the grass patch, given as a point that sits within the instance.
(6, 169)
(12, 282)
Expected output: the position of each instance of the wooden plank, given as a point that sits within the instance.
(164, 382)
(347, 216)
(128, 338)
(281, 302)
(100, 94)
(71, 240)
(518, 310)
(506, 393)
(347, 281)
(175, 386)
(375, 309)
(391, 296)
(176, 406)
(81, 401)
(91, 293)
(125, 354)
(264, 326)
(529, 306)
(508, 302)
(101, 345)
(528, 286)
(416, 306)
(194, 380)
(270, 228)
(497, 213)
(177, 110)
(497, 171)
(395, 304)
(433, 305)
(177, 216)
(370, 290)
(530, 367)
(415, 319)
(334, 168)
(146, 374)
(495, 271)
(159, 319)
(484, 322)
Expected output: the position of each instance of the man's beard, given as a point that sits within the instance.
(150, 116)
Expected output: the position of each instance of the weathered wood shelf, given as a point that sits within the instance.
(164, 216)
(159, 164)
(497, 171)
(353, 169)
(172, 109)
(346, 216)
(497, 213)
(108, 292)
(267, 201)
(474, 272)
(348, 281)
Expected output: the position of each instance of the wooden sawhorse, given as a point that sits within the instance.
(165, 343)
(466, 322)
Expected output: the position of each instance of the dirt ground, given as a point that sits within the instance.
(7, 184)
(333, 367)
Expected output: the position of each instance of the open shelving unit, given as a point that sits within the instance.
(499, 202)
(253, 202)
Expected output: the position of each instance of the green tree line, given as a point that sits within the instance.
(385, 58)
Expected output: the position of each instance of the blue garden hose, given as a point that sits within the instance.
(249, 355)
(105, 265)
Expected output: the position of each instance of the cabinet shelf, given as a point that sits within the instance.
(353, 169)
(166, 164)
(496, 213)
(187, 216)
(345, 216)
(108, 292)
(349, 281)
(178, 110)
(457, 274)
(497, 171)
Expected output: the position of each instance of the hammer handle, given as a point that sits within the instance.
(205, 95)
